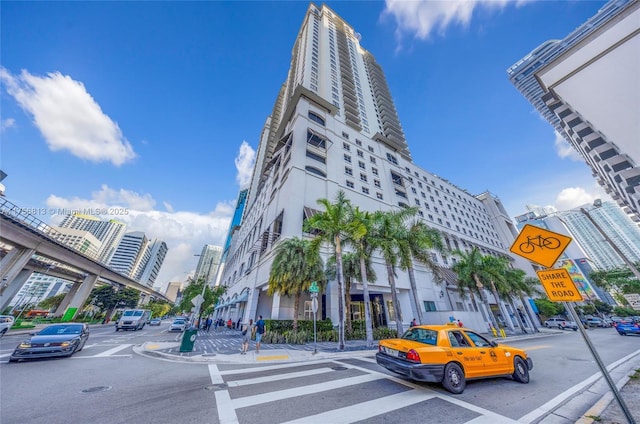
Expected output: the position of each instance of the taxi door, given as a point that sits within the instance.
(494, 358)
(467, 354)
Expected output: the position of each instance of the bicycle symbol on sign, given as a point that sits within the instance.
(538, 241)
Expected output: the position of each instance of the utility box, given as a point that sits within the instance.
(188, 339)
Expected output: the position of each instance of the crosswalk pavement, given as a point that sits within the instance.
(333, 391)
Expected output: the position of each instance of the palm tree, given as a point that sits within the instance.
(469, 267)
(296, 264)
(417, 241)
(333, 225)
(494, 271)
(387, 236)
(350, 272)
(362, 243)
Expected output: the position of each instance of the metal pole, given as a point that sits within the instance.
(601, 365)
(314, 296)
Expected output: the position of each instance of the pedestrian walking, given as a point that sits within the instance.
(460, 324)
(260, 330)
(246, 329)
(208, 324)
(414, 323)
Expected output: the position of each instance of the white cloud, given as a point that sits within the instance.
(184, 232)
(244, 164)
(7, 123)
(564, 149)
(424, 17)
(572, 197)
(68, 117)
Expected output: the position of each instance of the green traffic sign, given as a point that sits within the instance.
(314, 288)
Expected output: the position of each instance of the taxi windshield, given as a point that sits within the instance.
(421, 335)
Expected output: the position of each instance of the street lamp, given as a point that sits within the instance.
(197, 301)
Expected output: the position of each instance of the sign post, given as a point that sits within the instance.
(545, 247)
(313, 289)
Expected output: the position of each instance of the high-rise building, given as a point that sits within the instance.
(235, 224)
(208, 263)
(154, 257)
(109, 233)
(588, 239)
(334, 127)
(129, 253)
(174, 288)
(587, 86)
(79, 240)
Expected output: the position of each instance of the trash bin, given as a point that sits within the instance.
(188, 339)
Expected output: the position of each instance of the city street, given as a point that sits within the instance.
(110, 383)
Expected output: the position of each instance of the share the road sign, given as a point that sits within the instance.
(540, 245)
(559, 285)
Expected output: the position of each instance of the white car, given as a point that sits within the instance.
(178, 324)
(6, 321)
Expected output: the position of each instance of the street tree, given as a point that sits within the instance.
(332, 226)
(296, 264)
(52, 302)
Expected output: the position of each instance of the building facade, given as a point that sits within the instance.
(334, 127)
(208, 263)
(587, 87)
(109, 233)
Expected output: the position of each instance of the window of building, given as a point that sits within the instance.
(392, 159)
(346, 146)
(360, 153)
(372, 159)
(348, 170)
(374, 171)
(363, 177)
(379, 195)
(376, 183)
(345, 135)
(397, 179)
(316, 140)
(370, 149)
(365, 190)
(347, 158)
(316, 171)
(314, 156)
(350, 184)
(429, 306)
(361, 165)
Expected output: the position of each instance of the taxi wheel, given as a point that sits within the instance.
(520, 370)
(454, 380)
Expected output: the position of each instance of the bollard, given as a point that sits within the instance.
(502, 333)
(495, 333)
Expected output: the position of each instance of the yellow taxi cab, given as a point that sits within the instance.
(451, 355)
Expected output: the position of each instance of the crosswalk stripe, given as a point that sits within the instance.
(364, 410)
(216, 377)
(252, 370)
(112, 351)
(224, 405)
(271, 378)
(301, 391)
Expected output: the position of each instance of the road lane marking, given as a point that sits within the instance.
(272, 358)
(276, 367)
(110, 352)
(364, 410)
(556, 401)
(259, 380)
(301, 391)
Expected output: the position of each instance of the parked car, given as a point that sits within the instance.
(450, 355)
(155, 321)
(627, 327)
(6, 321)
(53, 340)
(178, 324)
(561, 323)
(597, 322)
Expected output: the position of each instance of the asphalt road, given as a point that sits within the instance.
(108, 383)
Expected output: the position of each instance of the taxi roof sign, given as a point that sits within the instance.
(559, 285)
(540, 245)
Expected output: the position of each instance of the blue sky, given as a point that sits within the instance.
(157, 107)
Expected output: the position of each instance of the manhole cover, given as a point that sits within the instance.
(339, 368)
(220, 386)
(96, 389)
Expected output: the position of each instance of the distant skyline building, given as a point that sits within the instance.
(139, 258)
(38, 287)
(586, 85)
(174, 288)
(334, 127)
(588, 241)
(109, 233)
(80, 240)
(233, 226)
(208, 263)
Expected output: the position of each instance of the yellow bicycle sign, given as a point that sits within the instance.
(540, 245)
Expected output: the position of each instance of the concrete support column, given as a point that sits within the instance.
(275, 306)
(10, 266)
(13, 288)
(252, 305)
(83, 292)
(67, 300)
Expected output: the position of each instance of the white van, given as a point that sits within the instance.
(133, 319)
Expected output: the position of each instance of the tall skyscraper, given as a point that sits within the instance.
(587, 86)
(79, 240)
(139, 258)
(208, 263)
(334, 127)
(588, 240)
(109, 233)
(235, 224)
